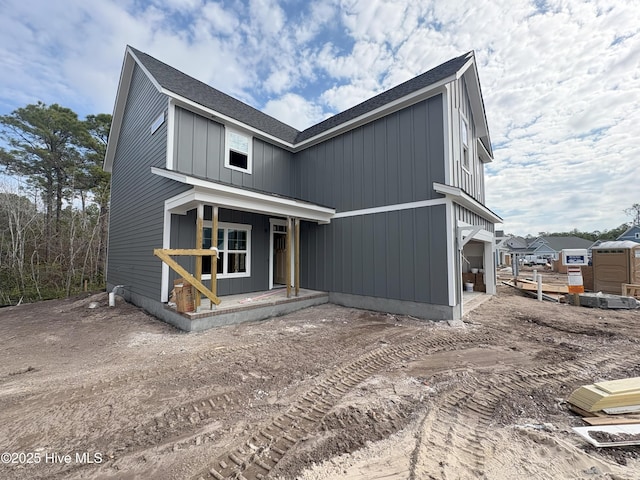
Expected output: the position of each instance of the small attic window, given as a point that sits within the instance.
(157, 123)
(237, 151)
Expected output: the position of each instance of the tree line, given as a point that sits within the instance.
(54, 203)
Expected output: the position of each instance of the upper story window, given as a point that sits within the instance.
(464, 134)
(237, 154)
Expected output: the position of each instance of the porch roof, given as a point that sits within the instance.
(224, 195)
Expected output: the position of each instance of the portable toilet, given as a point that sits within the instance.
(615, 263)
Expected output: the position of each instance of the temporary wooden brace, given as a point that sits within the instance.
(199, 235)
(296, 279)
(288, 256)
(165, 256)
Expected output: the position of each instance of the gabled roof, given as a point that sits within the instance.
(433, 76)
(182, 87)
(561, 243)
(629, 231)
(174, 81)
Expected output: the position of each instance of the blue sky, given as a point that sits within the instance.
(560, 79)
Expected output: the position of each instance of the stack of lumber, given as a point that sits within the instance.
(605, 395)
(549, 291)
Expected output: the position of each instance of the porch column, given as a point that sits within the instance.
(199, 228)
(296, 280)
(288, 250)
(214, 258)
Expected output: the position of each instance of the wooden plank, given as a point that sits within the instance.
(630, 290)
(164, 256)
(613, 420)
(623, 385)
(545, 287)
(584, 413)
(199, 235)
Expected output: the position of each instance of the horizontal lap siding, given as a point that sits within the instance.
(137, 196)
(199, 151)
(398, 255)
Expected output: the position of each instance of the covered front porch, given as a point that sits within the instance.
(244, 307)
(239, 248)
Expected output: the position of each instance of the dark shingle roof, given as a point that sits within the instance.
(188, 87)
(201, 93)
(421, 81)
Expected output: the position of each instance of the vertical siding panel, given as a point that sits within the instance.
(200, 147)
(379, 258)
(406, 155)
(407, 261)
(422, 272)
(435, 142)
(393, 254)
(393, 160)
(357, 253)
(381, 185)
(368, 265)
(421, 183)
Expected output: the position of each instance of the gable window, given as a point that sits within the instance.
(464, 134)
(237, 151)
(234, 250)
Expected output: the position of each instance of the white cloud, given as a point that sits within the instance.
(294, 110)
(561, 84)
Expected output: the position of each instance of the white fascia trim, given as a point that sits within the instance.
(171, 121)
(483, 153)
(166, 243)
(391, 208)
(118, 110)
(240, 199)
(452, 279)
(379, 112)
(224, 119)
(448, 139)
(461, 198)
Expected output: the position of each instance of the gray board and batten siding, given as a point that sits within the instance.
(199, 151)
(136, 216)
(395, 255)
(392, 160)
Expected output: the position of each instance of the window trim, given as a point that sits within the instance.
(223, 253)
(464, 127)
(228, 149)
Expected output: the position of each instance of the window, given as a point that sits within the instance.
(237, 151)
(464, 133)
(234, 247)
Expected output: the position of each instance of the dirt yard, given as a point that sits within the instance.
(325, 393)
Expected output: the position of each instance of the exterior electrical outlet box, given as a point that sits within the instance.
(575, 256)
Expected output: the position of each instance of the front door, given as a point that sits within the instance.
(279, 259)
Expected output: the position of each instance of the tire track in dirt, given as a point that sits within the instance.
(266, 446)
(459, 422)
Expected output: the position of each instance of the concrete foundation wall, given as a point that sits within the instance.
(402, 307)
